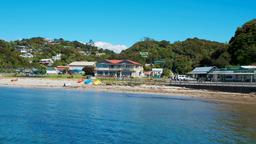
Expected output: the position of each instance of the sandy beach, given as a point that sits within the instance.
(163, 90)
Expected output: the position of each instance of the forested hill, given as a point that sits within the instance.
(41, 48)
(179, 56)
(182, 56)
(243, 45)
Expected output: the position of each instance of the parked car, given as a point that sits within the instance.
(184, 78)
(181, 77)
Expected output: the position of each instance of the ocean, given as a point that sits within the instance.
(59, 116)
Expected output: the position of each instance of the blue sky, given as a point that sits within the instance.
(124, 21)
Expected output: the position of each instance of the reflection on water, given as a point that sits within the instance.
(241, 120)
(69, 116)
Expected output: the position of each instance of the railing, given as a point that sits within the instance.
(115, 69)
(206, 83)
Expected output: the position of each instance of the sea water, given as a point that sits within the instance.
(41, 116)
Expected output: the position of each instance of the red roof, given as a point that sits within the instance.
(133, 62)
(148, 72)
(62, 67)
(114, 62)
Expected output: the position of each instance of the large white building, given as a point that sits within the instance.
(79, 65)
(119, 68)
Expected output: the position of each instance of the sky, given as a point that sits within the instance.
(117, 24)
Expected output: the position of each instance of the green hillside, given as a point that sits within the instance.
(180, 57)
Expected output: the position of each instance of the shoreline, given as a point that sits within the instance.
(216, 96)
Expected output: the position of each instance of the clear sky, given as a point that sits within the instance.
(124, 21)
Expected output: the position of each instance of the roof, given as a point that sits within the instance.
(82, 63)
(62, 67)
(147, 72)
(249, 67)
(46, 60)
(202, 70)
(115, 62)
(235, 70)
(157, 69)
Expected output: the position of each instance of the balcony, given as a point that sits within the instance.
(115, 69)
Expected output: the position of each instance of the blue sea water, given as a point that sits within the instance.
(41, 116)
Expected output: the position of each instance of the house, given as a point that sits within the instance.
(235, 74)
(62, 69)
(148, 74)
(100, 54)
(157, 72)
(51, 71)
(25, 52)
(119, 68)
(79, 65)
(202, 73)
(27, 55)
(46, 62)
(83, 53)
(57, 57)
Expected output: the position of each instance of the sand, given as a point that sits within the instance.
(152, 89)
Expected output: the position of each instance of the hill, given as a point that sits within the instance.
(181, 57)
(26, 53)
(243, 45)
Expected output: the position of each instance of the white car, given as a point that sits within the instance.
(181, 77)
(185, 78)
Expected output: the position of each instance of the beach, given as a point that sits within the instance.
(151, 89)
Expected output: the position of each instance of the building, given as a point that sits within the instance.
(26, 55)
(157, 72)
(51, 71)
(46, 62)
(79, 65)
(235, 74)
(57, 57)
(25, 52)
(202, 73)
(147, 74)
(100, 54)
(83, 53)
(119, 68)
(62, 69)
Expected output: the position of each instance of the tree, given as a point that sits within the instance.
(89, 70)
(41, 69)
(166, 73)
(243, 45)
(182, 65)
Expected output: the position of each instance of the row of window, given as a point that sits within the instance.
(115, 66)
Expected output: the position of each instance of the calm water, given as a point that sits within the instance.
(29, 116)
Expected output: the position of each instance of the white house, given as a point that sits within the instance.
(79, 65)
(57, 57)
(25, 52)
(26, 55)
(157, 72)
(47, 62)
(51, 71)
